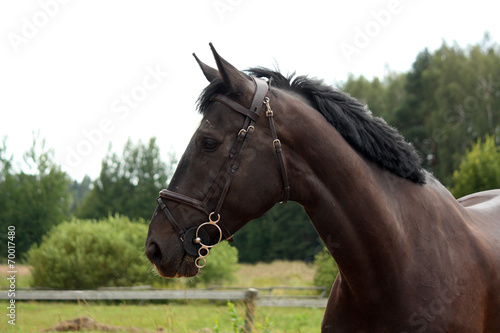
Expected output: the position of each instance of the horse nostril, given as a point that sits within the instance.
(153, 252)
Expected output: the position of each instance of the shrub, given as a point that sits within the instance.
(479, 170)
(86, 254)
(222, 264)
(326, 269)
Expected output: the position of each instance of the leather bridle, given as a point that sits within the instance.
(195, 239)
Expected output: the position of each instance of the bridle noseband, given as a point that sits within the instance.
(195, 239)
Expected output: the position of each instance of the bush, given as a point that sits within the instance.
(326, 269)
(222, 264)
(479, 170)
(86, 254)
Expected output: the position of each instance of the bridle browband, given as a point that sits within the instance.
(195, 239)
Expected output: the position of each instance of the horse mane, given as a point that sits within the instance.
(369, 135)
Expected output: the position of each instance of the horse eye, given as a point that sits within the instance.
(210, 145)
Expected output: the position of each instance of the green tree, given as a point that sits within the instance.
(453, 99)
(5, 161)
(383, 98)
(371, 93)
(31, 202)
(79, 191)
(284, 232)
(449, 99)
(326, 269)
(128, 184)
(479, 169)
(410, 117)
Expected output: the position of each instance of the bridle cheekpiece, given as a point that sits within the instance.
(196, 239)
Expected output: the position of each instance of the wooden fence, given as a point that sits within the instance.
(249, 296)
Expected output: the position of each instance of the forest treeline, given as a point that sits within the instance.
(447, 105)
(449, 99)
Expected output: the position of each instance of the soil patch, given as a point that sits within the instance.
(89, 324)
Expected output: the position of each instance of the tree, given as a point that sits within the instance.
(479, 170)
(284, 232)
(410, 117)
(127, 184)
(5, 162)
(449, 99)
(79, 191)
(31, 202)
(453, 99)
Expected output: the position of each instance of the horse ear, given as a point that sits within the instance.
(209, 72)
(231, 76)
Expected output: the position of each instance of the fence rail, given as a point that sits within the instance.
(68, 295)
(269, 291)
(249, 296)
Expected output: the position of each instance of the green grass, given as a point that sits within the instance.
(177, 318)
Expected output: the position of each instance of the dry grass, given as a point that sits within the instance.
(21, 269)
(261, 275)
(23, 276)
(277, 273)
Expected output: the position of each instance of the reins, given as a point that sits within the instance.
(196, 239)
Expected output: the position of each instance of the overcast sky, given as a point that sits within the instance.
(87, 73)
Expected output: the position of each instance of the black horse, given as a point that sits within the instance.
(411, 257)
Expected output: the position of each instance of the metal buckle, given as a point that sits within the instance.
(269, 112)
(277, 141)
(245, 131)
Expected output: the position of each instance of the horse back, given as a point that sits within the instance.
(483, 208)
(484, 211)
(486, 200)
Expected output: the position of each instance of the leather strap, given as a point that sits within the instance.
(224, 177)
(235, 106)
(261, 89)
(279, 152)
(170, 218)
(184, 199)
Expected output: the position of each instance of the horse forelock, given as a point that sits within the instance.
(215, 87)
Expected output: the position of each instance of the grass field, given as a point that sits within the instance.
(194, 316)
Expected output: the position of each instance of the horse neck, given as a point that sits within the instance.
(357, 208)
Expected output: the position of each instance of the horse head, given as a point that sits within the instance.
(232, 171)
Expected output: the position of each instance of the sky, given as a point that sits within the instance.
(86, 74)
